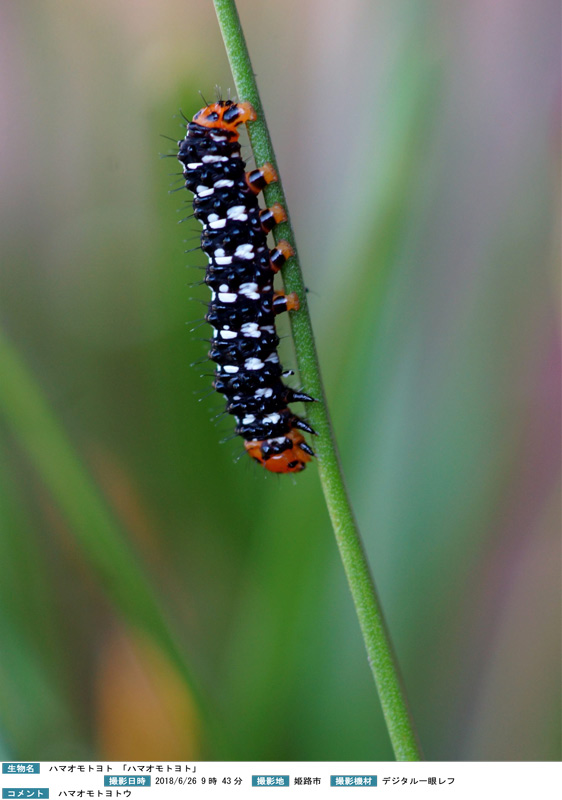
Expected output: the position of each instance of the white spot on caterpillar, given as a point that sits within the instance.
(273, 418)
(223, 259)
(218, 138)
(227, 297)
(274, 358)
(263, 392)
(268, 328)
(230, 369)
(228, 334)
(219, 223)
(223, 182)
(223, 288)
(237, 213)
(212, 217)
(248, 419)
(253, 363)
(213, 295)
(251, 329)
(245, 251)
(194, 165)
(219, 251)
(203, 191)
(249, 291)
(211, 159)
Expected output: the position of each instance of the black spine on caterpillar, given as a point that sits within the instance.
(240, 275)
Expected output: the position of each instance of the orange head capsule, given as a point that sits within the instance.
(225, 114)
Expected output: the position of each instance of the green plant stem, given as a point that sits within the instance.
(375, 635)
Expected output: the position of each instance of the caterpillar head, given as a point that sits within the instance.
(225, 114)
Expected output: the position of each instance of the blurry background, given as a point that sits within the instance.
(159, 600)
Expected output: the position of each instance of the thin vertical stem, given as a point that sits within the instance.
(375, 634)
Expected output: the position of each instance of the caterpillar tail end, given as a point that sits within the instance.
(290, 456)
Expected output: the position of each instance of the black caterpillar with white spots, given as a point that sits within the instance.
(240, 275)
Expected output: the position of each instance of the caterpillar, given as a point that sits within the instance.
(240, 275)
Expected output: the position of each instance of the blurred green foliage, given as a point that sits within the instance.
(417, 146)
